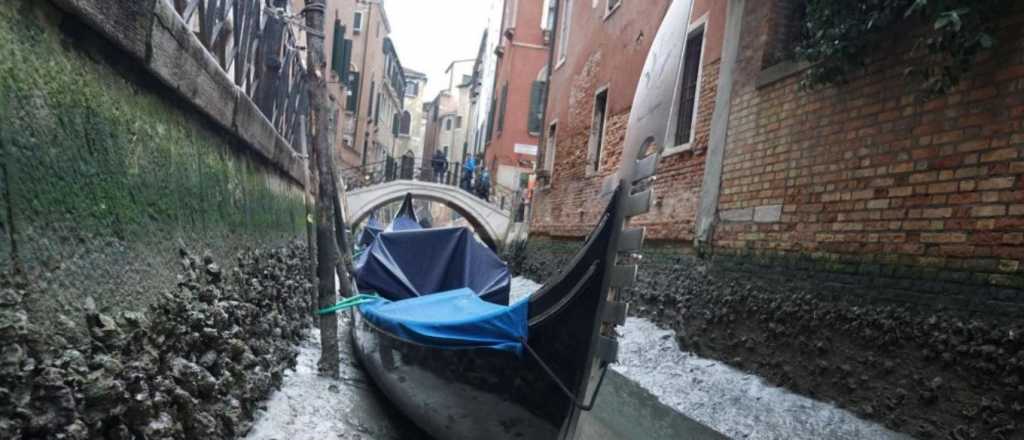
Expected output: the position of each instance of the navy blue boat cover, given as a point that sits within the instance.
(452, 319)
(370, 231)
(405, 219)
(411, 263)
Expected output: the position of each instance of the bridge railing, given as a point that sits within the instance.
(427, 170)
(258, 45)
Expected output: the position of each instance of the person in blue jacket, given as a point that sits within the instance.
(467, 173)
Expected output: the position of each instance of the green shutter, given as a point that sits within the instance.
(536, 107)
(353, 97)
(346, 59)
(503, 106)
(338, 59)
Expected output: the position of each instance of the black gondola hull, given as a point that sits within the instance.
(457, 394)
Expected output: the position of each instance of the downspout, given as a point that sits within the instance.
(712, 183)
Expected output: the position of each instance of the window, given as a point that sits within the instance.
(406, 123)
(376, 110)
(549, 147)
(353, 93)
(357, 22)
(547, 19)
(611, 6)
(458, 122)
(501, 107)
(536, 113)
(786, 18)
(688, 93)
(490, 119)
(597, 130)
(366, 146)
(369, 111)
(448, 124)
(412, 88)
(563, 33)
(341, 51)
(509, 20)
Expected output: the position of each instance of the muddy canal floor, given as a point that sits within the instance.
(309, 406)
(656, 391)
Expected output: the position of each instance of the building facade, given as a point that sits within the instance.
(516, 103)
(448, 120)
(375, 94)
(412, 124)
(809, 233)
(600, 48)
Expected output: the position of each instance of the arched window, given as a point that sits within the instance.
(406, 123)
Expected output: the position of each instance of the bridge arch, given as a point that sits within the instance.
(488, 221)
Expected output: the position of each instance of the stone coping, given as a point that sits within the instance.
(152, 33)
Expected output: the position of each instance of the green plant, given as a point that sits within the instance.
(839, 36)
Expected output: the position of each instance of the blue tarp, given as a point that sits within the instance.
(405, 219)
(413, 263)
(452, 319)
(370, 231)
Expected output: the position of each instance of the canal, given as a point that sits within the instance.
(655, 392)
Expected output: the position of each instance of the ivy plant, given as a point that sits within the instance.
(839, 36)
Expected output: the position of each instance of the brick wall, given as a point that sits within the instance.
(570, 207)
(868, 172)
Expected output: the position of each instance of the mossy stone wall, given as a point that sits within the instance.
(105, 172)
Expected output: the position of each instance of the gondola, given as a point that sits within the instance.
(526, 370)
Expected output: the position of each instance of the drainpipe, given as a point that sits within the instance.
(707, 214)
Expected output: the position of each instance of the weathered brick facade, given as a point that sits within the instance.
(611, 55)
(869, 173)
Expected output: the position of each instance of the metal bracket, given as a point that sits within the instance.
(615, 313)
(638, 203)
(607, 349)
(622, 276)
(646, 167)
(631, 240)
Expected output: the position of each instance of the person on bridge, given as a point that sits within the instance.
(483, 189)
(439, 162)
(467, 173)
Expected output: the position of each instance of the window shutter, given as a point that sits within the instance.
(353, 96)
(501, 110)
(338, 63)
(346, 57)
(490, 120)
(536, 107)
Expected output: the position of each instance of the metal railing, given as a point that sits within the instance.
(426, 170)
(255, 45)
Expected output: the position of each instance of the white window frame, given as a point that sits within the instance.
(701, 24)
(592, 148)
(610, 8)
(510, 17)
(357, 26)
(544, 14)
(550, 147)
(564, 31)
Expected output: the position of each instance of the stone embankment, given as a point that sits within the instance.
(196, 365)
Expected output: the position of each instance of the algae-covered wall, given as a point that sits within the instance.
(105, 172)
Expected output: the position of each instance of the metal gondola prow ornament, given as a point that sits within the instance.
(647, 134)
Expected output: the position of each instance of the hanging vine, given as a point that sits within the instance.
(839, 36)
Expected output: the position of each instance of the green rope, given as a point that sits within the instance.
(353, 301)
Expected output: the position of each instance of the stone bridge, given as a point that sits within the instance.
(491, 222)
